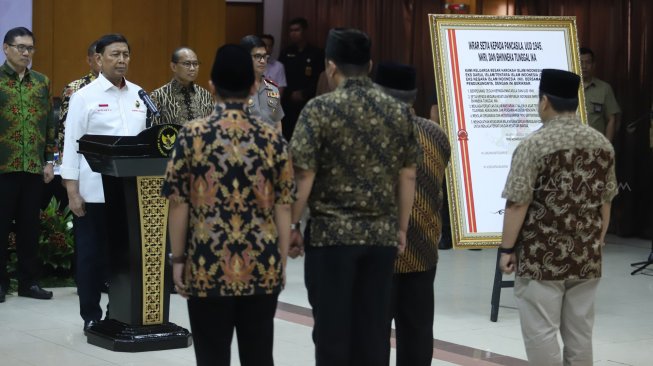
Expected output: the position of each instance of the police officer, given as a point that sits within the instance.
(265, 103)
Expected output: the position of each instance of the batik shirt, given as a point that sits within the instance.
(68, 92)
(26, 123)
(565, 172)
(356, 140)
(231, 169)
(425, 225)
(180, 104)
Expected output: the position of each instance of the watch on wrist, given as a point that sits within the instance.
(178, 259)
(296, 226)
(503, 250)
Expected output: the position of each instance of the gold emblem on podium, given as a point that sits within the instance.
(166, 139)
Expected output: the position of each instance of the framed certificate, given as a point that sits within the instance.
(487, 78)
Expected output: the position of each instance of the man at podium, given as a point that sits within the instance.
(109, 105)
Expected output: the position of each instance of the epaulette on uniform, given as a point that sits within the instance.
(271, 82)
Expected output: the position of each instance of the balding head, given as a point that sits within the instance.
(184, 65)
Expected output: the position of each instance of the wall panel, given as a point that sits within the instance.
(154, 29)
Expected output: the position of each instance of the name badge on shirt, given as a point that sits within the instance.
(273, 95)
(598, 107)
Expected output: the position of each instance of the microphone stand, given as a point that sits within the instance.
(148, 119)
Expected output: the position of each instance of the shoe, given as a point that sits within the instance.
(88, 324)
(2, 294)
(35, 292)
(105, 287)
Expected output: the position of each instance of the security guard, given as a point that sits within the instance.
(265, 103)
(600, 103)
(303, 63)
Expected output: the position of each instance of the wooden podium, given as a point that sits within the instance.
(137, 215)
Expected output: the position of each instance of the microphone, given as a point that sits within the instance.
(148, 103)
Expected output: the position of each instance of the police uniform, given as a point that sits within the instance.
(266, 103)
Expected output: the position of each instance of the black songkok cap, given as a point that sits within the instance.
(396, 76)
(348, 46)
(559, 83)
(233, 69)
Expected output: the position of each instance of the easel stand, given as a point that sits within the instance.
(499, 283)
(642, 265)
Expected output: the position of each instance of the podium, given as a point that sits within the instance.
(132, 169)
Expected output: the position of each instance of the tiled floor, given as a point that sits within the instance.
(49, 332)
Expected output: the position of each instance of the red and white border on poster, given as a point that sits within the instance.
(487, 75)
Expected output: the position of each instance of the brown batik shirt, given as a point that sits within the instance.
(67, 93)
(231, 169)
(565, 172)
(425, 225)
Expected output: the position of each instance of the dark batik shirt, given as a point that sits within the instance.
(425, 225)
(179, 104)
(565, 172)
(26, 123)
(68, 92)
(231, 169)
(356, 140)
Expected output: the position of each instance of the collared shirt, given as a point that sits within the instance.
(600, 103)
(68, 92)
(100, 108)
(276, 72)
(425, 225)
(180, 104)
(565, 172)
(265, 104)
(26, 123)
(231, 169)
(356, 140)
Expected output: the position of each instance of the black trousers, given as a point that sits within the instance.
(213, 320)
(92, 259)
(20, 200)
(412, 308)
(349, 291)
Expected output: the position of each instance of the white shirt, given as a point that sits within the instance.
(100, 108)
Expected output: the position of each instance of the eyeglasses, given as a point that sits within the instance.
(22, 48)
(260, 56)
(188, 64)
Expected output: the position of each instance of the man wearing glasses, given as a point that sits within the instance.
(181, 100)
(265, 103)
(26, 154)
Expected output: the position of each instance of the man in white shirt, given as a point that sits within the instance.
(109, 105)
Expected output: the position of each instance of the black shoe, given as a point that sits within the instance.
(35, 292)
(2, 294)
(105, 287)
(88, 324)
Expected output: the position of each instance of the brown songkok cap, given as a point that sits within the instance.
(559, 83)
(348, 46)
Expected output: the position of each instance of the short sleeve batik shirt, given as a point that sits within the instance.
(356, 139)
(565, 172)
(232, 170)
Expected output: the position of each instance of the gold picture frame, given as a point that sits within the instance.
(485, 73)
